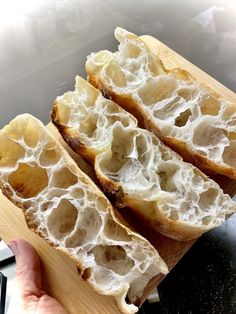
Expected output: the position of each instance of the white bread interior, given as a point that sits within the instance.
(65, 207)
(132, 164)
(188, 117)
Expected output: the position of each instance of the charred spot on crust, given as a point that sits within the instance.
(74, 143)
(86, 274)
(137, 302)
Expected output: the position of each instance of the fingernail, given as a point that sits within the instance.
(13, 246)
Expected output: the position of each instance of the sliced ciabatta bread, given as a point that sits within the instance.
(132, 164)
(65, 207)
(187, 116)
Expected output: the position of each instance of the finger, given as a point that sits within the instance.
(28, 269)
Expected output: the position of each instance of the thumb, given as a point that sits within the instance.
(28, 269)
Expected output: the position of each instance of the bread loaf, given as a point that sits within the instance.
(64, 206)
(188, 117)
(134, 166)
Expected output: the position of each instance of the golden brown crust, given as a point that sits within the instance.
(170, 228)
(162, 224)
(67, 134)
(113, 189)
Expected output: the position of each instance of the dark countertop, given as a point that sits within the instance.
(204, 281)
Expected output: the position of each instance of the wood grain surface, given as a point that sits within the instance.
(60, 274)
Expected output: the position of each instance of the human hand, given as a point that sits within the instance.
(33, 299)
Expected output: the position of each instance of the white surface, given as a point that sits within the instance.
(42, 51)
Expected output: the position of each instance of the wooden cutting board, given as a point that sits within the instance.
(60, 275)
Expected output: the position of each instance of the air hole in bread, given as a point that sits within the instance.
(76, 239)
(49, 157)
(120, 149)
(64, 178)
(45, 206)
(206, 220)
(112, 114)
(112, 118)
(139, 255)
(62, 219)
(102, 57)
(165, 182)
(10, 152)
(205, 134)
(89, 224)
(166, 178)
(101, 204)
(88, 96)
(55, 192)
(174, 215)
(113, 257)
(208, 198)
(104, 278)
(229, 111)
(31, 135)
(156, 90)
(23, 180)
(88, 125)
(90, 218)
(187, 93)
(115, 74)
(78, 193)
(210, 106)
(168, 110)
(229, 154)
(26, 131)
(115, 232)
(155, 67)
(131, 51)
(111, 108)
(142, 149)
(182, 119)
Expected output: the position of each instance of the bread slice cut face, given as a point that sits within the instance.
(64, 206)
(134, 166)
(187, 116)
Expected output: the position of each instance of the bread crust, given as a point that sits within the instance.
(125, 101)
(162, 224)
(76, 145)
(169, 227)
